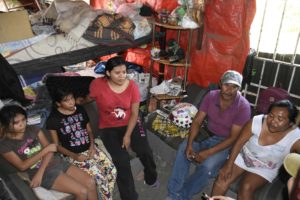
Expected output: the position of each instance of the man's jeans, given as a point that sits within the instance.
(183, 186)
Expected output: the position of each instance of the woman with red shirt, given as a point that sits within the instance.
(118, 101)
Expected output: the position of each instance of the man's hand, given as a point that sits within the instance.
(190, 153)
(126, 142)
(201, 156)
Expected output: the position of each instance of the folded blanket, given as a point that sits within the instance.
(71, 17)
(110, 29)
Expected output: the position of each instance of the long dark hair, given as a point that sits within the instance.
(59, 94)
(7, 115)
(114, 62)
(292, 109)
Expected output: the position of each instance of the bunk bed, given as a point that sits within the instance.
(57, 50)
(44, 64)
(46, 56)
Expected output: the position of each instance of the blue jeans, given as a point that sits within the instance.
(182, 185)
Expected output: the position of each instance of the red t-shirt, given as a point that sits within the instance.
(114, 108)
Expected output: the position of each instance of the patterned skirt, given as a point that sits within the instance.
(103, 169)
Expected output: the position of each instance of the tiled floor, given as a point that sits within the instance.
(145, 192)
(164, 157)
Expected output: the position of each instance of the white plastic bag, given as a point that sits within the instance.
(188, 22)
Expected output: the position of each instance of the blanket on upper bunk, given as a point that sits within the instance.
(75, 19)
(71, 17)
(110, 29)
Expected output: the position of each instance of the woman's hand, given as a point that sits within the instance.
(126, 142)
(51, 148)
(226, 171)
(36, 180)
(81, 157)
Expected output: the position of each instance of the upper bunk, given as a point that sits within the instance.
(49, 62)
(41, 53)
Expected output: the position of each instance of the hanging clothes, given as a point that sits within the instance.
(10, 86)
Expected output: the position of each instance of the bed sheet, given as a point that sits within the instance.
(52, 45)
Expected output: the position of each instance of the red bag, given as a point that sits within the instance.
(269, 96)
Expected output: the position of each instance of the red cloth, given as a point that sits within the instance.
(155, 4)
(139, 56)
(225, 40)
(114, 108)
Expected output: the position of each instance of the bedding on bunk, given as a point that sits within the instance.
(52, 45)
(72, 19)
(110, 29)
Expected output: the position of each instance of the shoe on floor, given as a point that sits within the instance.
(154, 185)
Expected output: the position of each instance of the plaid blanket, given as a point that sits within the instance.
(110, 29)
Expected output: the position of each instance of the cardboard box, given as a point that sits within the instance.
(14, 26)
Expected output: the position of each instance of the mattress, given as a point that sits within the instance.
(52, 45)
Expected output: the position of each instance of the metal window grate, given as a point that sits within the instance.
(275, 36)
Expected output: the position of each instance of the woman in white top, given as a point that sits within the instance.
(260, 150)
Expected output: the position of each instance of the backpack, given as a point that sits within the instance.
(269, 96)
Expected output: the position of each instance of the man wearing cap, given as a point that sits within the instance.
(226, 111)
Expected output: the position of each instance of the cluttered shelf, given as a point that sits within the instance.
(180, 63)
(167, 97)
(170, 26)
(172, 55)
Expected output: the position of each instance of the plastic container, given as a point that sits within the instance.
(173, 20)
(163, 16)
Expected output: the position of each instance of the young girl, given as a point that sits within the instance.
(117, 99)
(27, 148)
(71, 131)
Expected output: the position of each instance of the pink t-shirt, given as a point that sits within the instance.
(114, 108)
(238, 113)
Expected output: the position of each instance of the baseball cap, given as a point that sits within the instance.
(291, 163)
(233, 77)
